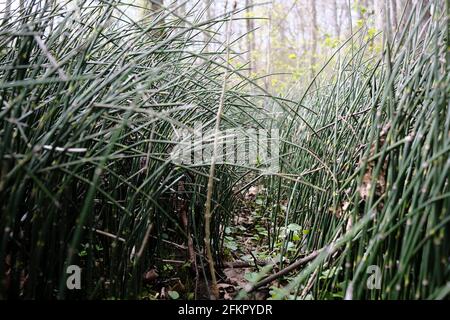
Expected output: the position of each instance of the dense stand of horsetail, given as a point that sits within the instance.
(143, 157)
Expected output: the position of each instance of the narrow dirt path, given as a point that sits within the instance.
(243, 250)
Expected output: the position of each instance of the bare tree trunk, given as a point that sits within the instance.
(349, 17)
(420, 5)
(181, 11)
(314, 29)
(336, 27)
(301, 27)
(394, 14)
(268, 49)
(156, 5)
(22, 12)
(250, 35)
(425, 22)
(387, 25)
(209, 8)
(7, 12)
(407, 6)
(407, 9)
(379, 14)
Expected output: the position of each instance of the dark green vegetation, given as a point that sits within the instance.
(88, 108)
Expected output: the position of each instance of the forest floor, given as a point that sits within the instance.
(246, 258)
(246, 254)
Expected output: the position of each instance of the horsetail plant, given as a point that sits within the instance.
(92, 99)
